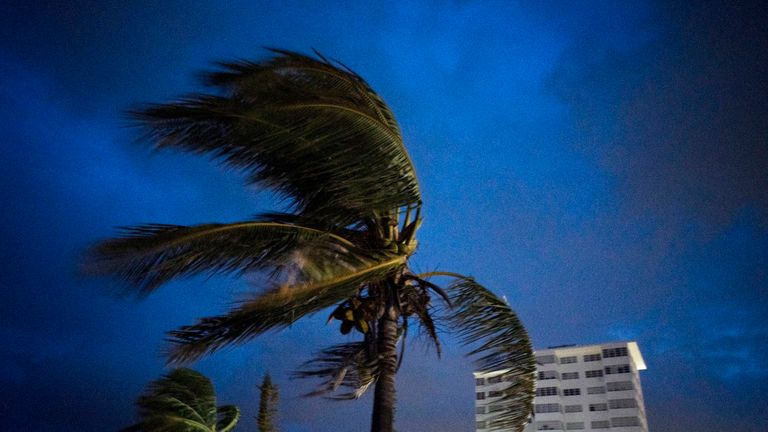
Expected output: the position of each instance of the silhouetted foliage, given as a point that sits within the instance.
(316, 134)
(183, 401)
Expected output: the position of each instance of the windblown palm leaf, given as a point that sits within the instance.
(150, 255)
(500, 343)
(183, 401)
(351, 366)
(273, 310)
(315, 133)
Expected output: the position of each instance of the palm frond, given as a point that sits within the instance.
(350, 366)
(228, 416)
(306, 128)
(415, 301)
(183, 400)
(273, 310)
(147, 256)
(499, 343)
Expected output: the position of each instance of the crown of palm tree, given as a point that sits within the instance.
(183, 401)
(315, 133)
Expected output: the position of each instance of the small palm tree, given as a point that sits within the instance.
(183, 401)
(265, 420)
(315, 133)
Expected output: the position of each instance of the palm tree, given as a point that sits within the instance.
(267, 405)
(313, 132)
(183, 401)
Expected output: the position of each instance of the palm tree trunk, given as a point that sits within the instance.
(384, 395)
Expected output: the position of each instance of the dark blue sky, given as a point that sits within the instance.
(602, 164)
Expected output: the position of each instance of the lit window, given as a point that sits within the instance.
(571, 392)
(594, 373)
(566, 360)
(622, 403)
(615, 352)
(570, 375)
(598, 407)
(596, 390)
(624, 421)
(574, 426)
(592, 357)
(601, 424)
(573, 408)
(546, 391)
(479, 396)
(620, 385)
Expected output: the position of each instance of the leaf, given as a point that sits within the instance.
(147, 256)
(311, 131)
(350, 366)
(183, 400)
(499, 343)
(273, 310)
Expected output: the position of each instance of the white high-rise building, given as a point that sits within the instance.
(578, 388)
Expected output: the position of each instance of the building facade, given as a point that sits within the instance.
(578, 388)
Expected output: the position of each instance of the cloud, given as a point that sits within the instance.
(682, 121)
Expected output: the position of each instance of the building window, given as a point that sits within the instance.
(546, 375)
(569, 375)
(574, 426)
(617, 369)
(496, 408)
(622, 403)
(566, 360)
(571, 392)
(601, 424)
(549, 425)
(620, 385)
(545, 359)
(480, 410)
(546, 391)
(615, 352)
(480, 425)
(494, 380)
(594, 373)
(495, 393)
(479, 396)
(573, 408)
(479, 381)
(547, 408)
(598, 407)
(624, 421)
(596, 390)
(592, 357)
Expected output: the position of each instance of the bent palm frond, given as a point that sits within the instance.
(314, 132)
(228, 416)
(499, 343)
(182, 401)
(273, 310)
(147, 256)
(351, 366)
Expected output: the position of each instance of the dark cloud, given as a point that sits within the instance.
(682, 121)
(602, 166)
